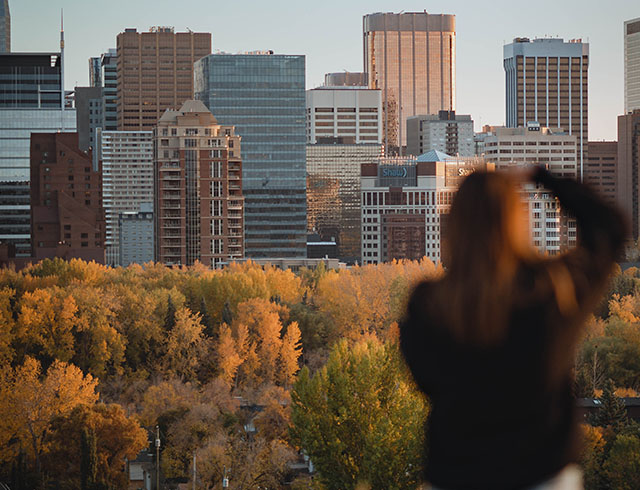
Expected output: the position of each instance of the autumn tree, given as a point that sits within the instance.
(227, 358)
(185, 344)
(360, 419)
(115, 437)
(29, 402)
(46, 324)
(290, 351)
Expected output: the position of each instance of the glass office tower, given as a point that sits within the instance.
(5, 27)
(263, 96)
(30, 86)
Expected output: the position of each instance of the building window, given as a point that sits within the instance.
(216, 169)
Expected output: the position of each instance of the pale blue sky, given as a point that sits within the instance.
(329, 33)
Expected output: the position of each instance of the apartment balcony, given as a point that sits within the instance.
(237, 207)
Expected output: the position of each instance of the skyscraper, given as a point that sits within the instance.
(447, 132)
(89, 115)
(628, 169)
(5, 27)
(411, 57)
(109, 77)
(344, 111)
(95, 73)
(30, 101)
(263, 96)
(601, 168)
(547, 82)
(631, 65)
(155, 72)
(127, 181)
(198, 188)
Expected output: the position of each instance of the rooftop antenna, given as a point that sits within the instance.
(62, 101)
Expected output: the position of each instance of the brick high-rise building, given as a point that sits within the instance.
(411, 58)
(199, 205)
(67, 217)
(628, 170)
(155, 72)
(601, 167)
(547, 82)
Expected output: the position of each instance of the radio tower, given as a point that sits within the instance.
(62, 101)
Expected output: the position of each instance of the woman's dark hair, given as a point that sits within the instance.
(487, 240)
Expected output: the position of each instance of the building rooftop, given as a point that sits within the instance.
(434, 156)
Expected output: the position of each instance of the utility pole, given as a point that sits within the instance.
(194, 469)
(225, 480)
(157, 457)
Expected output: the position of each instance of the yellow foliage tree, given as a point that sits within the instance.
(290, 352)
(185, 344)
(47, 320)
(228, 359)
(29, 402)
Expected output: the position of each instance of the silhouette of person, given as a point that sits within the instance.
(492, 342)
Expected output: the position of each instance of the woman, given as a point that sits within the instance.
(492, 342)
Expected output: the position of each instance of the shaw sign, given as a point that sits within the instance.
(394, 172)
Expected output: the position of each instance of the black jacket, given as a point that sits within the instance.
(502, 417)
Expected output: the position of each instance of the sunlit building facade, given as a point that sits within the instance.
(198, 189)
(406, 202)
(155, 72)
(411, 58)
(333, 194)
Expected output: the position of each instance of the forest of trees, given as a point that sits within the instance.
(92, 358)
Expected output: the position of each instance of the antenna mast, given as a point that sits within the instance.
(62, 101)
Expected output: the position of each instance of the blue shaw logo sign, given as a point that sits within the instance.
(394, 172)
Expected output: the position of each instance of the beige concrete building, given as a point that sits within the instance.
(198, 188)
(155, 72)
(411, 58)
(348, 112)
(552, 232)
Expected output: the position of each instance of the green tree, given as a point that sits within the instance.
(170, 318)
(88, 459)
(360, 419)
(612, 411)
(227, 315)
(622, 467)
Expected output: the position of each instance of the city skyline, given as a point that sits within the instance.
(290, 28)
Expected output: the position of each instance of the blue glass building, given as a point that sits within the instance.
(263, 96)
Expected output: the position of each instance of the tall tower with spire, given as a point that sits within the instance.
(5, 27)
